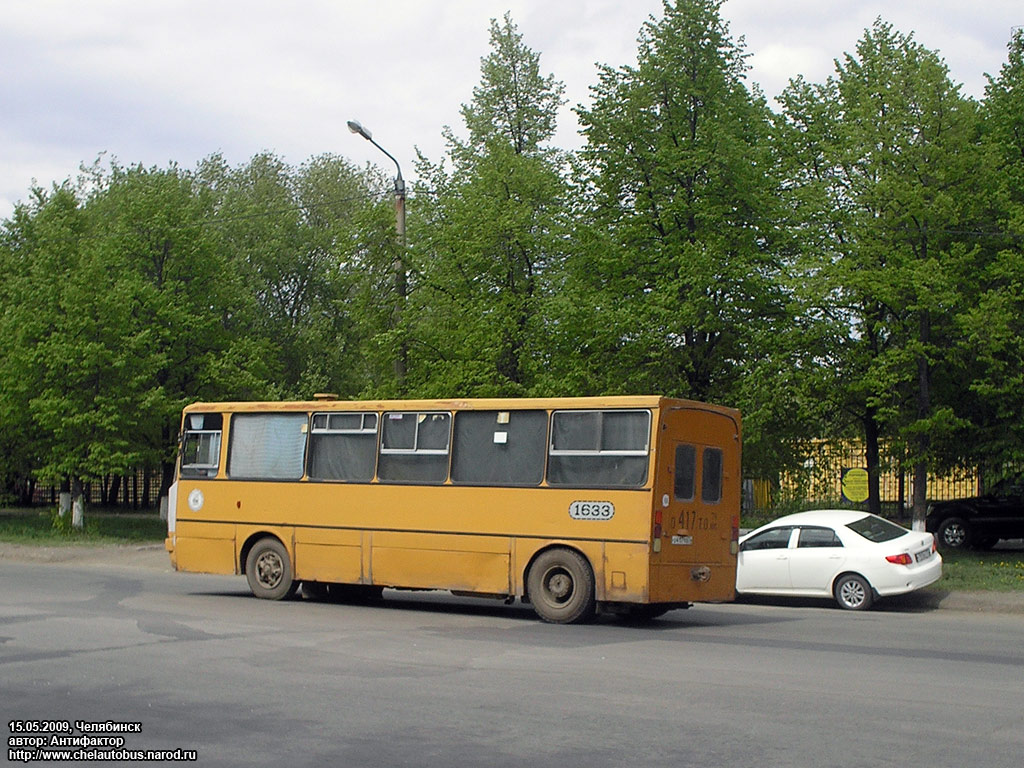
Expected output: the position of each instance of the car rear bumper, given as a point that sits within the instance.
(901, 579)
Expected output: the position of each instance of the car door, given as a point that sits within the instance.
(763, 562)
(1001, 513)
(815, 559)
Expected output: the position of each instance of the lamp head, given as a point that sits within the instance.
(356, 127)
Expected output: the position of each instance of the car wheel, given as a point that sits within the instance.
(359, 594)
(268, 569)
(561, 587)
(643, 614)
(853, 592)
(953, 533)
(315, 590)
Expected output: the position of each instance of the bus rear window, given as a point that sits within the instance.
(685, 472)
(711, 476)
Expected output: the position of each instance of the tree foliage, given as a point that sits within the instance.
(678, 283)
(892, 149)
(491, 231)
(851, 266)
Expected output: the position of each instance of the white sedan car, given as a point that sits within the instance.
(849, 555)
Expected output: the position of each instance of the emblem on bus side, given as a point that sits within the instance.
(591, 510)
(195, 500)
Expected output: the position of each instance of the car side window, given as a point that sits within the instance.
(773, 538)
(818, 537)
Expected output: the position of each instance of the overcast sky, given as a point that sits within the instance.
(156, 81)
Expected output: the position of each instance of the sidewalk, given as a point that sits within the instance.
(155, 557)
(134, 555)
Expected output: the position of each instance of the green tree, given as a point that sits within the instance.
(188, 305)
(993, 325)
(41, 245)
(68, 344)
(676, 280)
(488, 231)
(888, 187)
(124, 311)
(307, 243)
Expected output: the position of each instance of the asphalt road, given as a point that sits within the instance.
(432, 680)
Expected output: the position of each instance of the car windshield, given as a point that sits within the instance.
(876, 529)
(1008, 486)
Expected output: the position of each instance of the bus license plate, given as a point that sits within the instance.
(683, 540)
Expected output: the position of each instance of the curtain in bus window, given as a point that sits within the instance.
(342, 457)
(343, 446)
(576, 431)
(598, 471)
(267, 446)
(599, 449)
(625, 431)
(433, 432)
(400, 431)
(499, 447)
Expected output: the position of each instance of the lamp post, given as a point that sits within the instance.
(401, 285)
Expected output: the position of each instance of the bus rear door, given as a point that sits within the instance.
(696, 505)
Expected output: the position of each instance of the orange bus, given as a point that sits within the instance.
(625, 505)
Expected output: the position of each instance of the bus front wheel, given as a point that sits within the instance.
(268, 570)
(561, 587)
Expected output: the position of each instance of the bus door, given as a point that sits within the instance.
(697, 495)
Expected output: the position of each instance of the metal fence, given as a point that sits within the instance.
(135, 490)
(820, 479)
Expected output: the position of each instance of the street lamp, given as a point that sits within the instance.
(401, 285)
(356, 127)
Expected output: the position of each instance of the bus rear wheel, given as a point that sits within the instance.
(561, 587)
(268, 569)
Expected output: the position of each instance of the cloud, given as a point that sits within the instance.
(177, 80)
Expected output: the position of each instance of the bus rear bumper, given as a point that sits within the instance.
(169, 546)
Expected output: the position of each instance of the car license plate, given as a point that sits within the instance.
(923, 555)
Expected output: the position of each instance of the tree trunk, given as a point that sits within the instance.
(166, 476)
(871, 455)
(923, 409)
(77, 503)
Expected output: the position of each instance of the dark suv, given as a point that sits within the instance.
(982, 521)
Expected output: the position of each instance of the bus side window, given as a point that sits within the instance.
(200, 445)
(504, 448)
(343, 446)
(267, 446)
(599, 449)
(414, 447)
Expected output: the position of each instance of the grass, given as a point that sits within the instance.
(43, 527)
(1001, 570)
